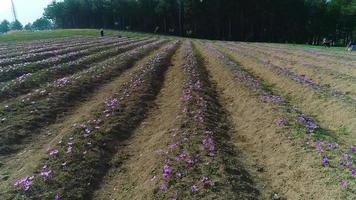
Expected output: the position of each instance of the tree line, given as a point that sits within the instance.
(295, 21)
(40, 24)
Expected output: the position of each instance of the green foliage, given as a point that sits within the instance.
(41, 24)
(4, 26)
(28, 27)
(296, 21)
(16, 26)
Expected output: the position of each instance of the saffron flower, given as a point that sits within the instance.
(25, 183)
(281, 121)
(344, 183)
(195, 189)
(325, 162)
(53, 152)
(347, 156)
(346, 163)
(167, 171)
(45, 174)
(163, 186)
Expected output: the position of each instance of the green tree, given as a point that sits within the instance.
(16, 25)
(28, 27)
(42, 24)
(4, 26)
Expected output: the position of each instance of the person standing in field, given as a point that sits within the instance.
(102, 32)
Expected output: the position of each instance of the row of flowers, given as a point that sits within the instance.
(316, 66)
(321, 88)
(10, 72)
(313, 53)
(331, 153)
(78, 160)
(42, 106)
(303, 56)
(190, 164)
(20, 48)
(60, 50)
(26, 82)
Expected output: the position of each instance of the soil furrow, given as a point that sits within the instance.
(133, 165)
(15, 88)
(55, 46)
(86, 151)
(17, 166)
(267, 148)
(331, 114)
(24, 118)
(47, 57)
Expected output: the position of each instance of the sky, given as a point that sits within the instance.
(27, 10)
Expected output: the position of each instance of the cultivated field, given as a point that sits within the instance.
(158, 118)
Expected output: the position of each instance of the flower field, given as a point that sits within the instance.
(152, 118)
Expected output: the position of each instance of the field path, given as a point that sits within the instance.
(277, 164)
(133, 165)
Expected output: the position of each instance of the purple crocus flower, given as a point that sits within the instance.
(347, 156)
(344, 183)
(353, 172)
(57, 197)
(281, 121)
(167, 171)
(163, 186)
(53, 152)
(190, 163)
(195, 189)
(346, 163)
(325, 161)
(352, 148)
(45, 174)
(204, 179)
(25, 183)
(333, 145)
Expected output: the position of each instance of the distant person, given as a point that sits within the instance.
(102, 32)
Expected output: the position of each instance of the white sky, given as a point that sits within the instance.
(27, 10)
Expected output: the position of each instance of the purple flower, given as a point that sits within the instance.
(204, 179)
(53, 152)
(45, 174)
(281, 121)
(346, 163)
(344, 183)
(25, 183)
(319, 146)
(353, 172)
(183, 155)
(163, 186)
(57, 197)
(325, 161)
(172, 146)
(333, 145)
(352, 148)
(195, 189)
(178, 174)
(347, 156)
(190, 163)
(167, 171)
